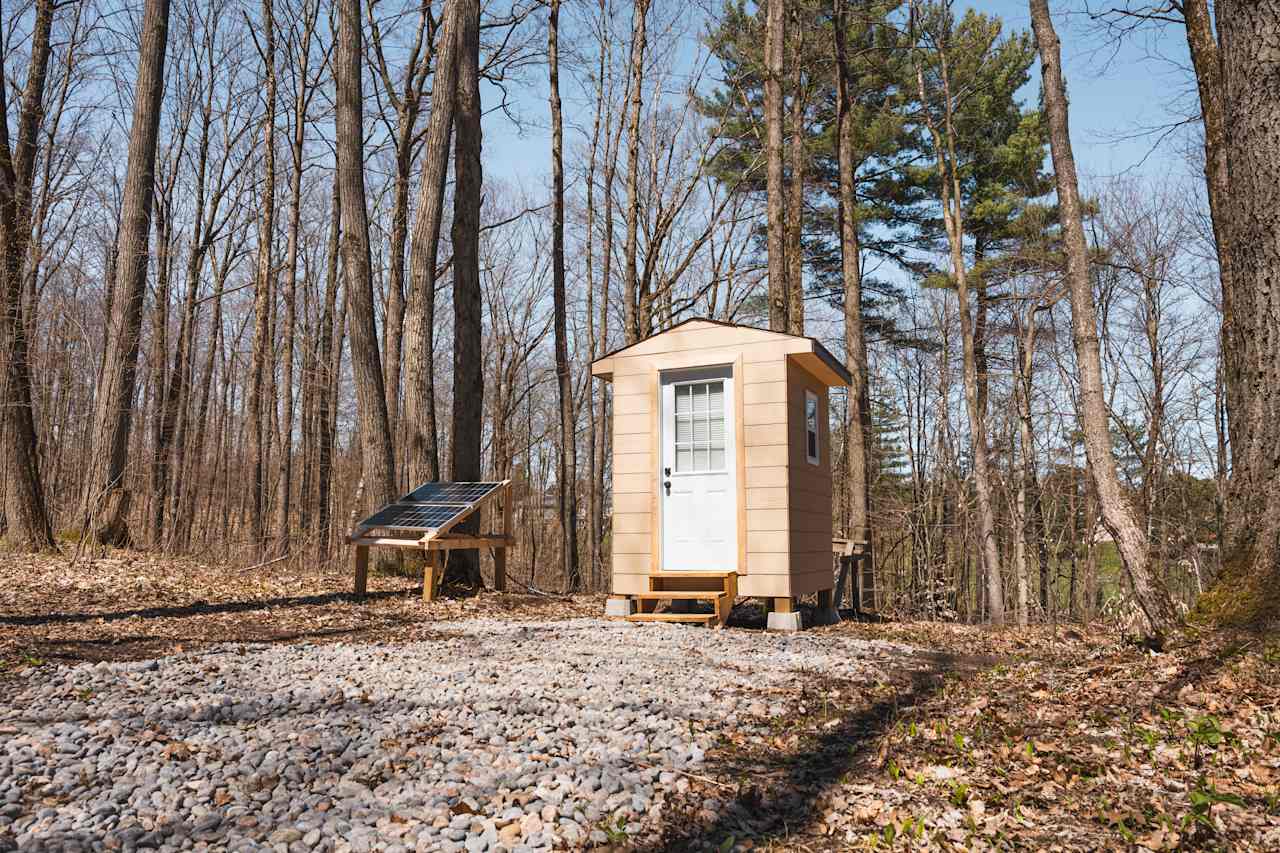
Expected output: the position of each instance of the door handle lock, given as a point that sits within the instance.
(666, 471)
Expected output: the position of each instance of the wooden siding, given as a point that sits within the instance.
(784, 503)
(809, 493)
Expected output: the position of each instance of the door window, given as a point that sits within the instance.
(699, 427)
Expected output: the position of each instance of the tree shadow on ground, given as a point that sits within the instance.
(204, 608)
(779, 802)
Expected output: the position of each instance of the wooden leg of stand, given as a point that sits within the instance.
(500, 554)
(362, 569)
(500, 569)
(431, 575)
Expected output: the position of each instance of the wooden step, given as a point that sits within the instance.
(689, 618)
(691, 574)
(665, 594)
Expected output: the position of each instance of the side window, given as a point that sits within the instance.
(811, 427)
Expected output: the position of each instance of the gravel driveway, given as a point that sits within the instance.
(496, 735)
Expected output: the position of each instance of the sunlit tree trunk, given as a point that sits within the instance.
(944, 143)
(858, 422)
(106, 500)
(468, 363)
(776, 238)
(1117, 514)
(371, 401)
(423, 439)
(1247, 589)
(568, 469)
(631, 309)
(263, 303)
(24, 500)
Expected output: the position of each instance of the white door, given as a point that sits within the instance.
(697, 482)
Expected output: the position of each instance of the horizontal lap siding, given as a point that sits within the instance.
(631, 542)
(764, 435)
(633, 463)
(809, 492)
(632, 522)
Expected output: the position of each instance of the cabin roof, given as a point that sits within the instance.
(807, 351)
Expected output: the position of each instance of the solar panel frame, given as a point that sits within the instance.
(444, 505)
(435, 492)
(400, 516)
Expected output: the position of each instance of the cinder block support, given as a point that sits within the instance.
(619, 608)
(826, 614)
(784, 616)
(784, 622)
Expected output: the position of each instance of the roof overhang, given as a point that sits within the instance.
(807, 352)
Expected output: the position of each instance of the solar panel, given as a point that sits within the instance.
(454, 493)
(412, 516)
(431, 506)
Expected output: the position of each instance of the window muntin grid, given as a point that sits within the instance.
(811, 427)
(699, 427)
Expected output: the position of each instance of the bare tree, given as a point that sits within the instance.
(631, 319)
(1116, 513)
(25, 509)
(423, 450)
(106, 500)
(263, 302)
(1246, 591)
(468, 308)
(375, 431)
(943, 133)
(304, 90)
(858, 410)
(406, 103)
(775, 39)
(568, 470)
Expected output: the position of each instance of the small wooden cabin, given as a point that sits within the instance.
(721, 469)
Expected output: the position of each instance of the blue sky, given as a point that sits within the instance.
(1121, 97)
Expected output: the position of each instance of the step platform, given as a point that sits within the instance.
(718, 588)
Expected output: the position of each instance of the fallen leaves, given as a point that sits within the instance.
(1054, 742)
(131, 605)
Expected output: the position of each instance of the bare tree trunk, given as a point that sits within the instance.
(262, 302)
(375, 432)
(405, 98)
(568, 470)
(944, 141)
(296, 150)
(595, 427)
(1116, 513)
(631, 314)
(327, 360)
(774, 39)
(1206, 59)
(1246, 592)
(858, 423)
(26, 513)
(1024, 354)
(606, 281)
(468, 362)
(423, 451)
(106, 500)
(795, 202)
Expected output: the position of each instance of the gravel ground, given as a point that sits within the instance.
(495, 735)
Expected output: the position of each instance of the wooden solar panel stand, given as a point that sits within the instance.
(436, 541)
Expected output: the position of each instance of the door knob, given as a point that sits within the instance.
(667, 485)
